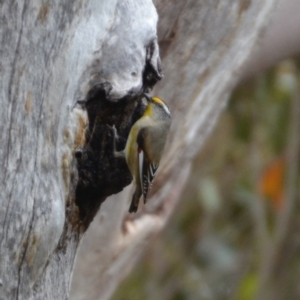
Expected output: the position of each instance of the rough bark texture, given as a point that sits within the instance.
(52, 55)
(105, 54)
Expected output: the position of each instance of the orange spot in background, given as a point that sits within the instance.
(271, 182)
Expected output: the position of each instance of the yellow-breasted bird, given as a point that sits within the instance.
(145, 145)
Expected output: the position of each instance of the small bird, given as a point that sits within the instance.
(145, 145)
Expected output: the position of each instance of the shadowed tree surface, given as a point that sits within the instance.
(54, 54)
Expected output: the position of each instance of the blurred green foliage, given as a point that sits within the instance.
(217, 243)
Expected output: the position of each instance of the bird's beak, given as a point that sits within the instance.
(147, 96)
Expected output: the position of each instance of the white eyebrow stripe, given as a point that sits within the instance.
(166, 109)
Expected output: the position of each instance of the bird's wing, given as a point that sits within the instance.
(147, 170)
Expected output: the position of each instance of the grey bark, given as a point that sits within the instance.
(53, 54)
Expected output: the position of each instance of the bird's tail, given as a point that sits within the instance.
(135, 200)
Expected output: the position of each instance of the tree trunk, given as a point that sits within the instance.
(56, 156)
(52, 55)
